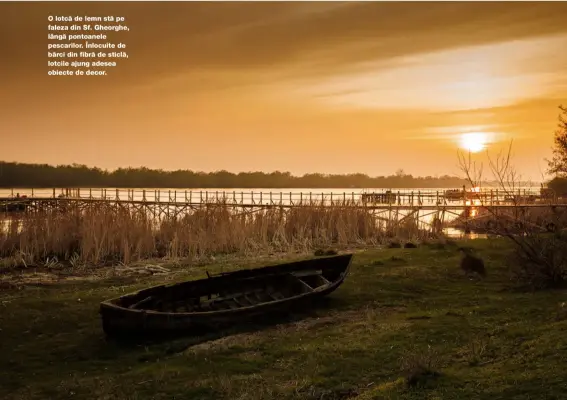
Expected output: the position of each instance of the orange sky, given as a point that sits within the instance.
(299, 87)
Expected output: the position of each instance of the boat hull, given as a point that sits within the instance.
(120, 317)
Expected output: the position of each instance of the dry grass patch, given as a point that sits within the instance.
(103, 234)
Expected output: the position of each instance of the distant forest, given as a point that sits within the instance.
(20, 175)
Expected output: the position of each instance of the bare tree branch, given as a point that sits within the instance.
(538, 256)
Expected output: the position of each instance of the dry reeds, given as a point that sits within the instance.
(105, 233)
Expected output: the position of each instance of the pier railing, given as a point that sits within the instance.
(288, 197)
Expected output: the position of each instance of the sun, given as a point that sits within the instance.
(473, 141)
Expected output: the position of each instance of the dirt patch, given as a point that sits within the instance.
(314, 393)
(313, 323)
(241, 339)
(18, 276)
(47, 276)
(15, 281)
(250, 338)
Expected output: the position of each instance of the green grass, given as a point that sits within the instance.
(486, 339)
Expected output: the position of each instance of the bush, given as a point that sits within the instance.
(540, 260)
(558, 185)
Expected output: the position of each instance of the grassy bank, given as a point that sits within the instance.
(103, 234)
(484, 339)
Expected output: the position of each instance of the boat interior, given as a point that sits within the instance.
(225, 293)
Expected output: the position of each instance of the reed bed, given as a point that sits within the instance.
(105, 234)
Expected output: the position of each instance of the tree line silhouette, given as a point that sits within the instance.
(20, 175)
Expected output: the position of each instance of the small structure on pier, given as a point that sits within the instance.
(386, 197)
(454, 194)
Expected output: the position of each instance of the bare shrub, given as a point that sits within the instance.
(539, 258)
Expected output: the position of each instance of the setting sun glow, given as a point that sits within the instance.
(473, 141)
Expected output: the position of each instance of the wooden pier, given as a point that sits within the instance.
(403, 197)
(434, 208)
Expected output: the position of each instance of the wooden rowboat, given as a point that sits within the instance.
(222, 299)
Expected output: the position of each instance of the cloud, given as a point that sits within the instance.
(293, 48)
(362, 31)
(177, 37)
(489, 75)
